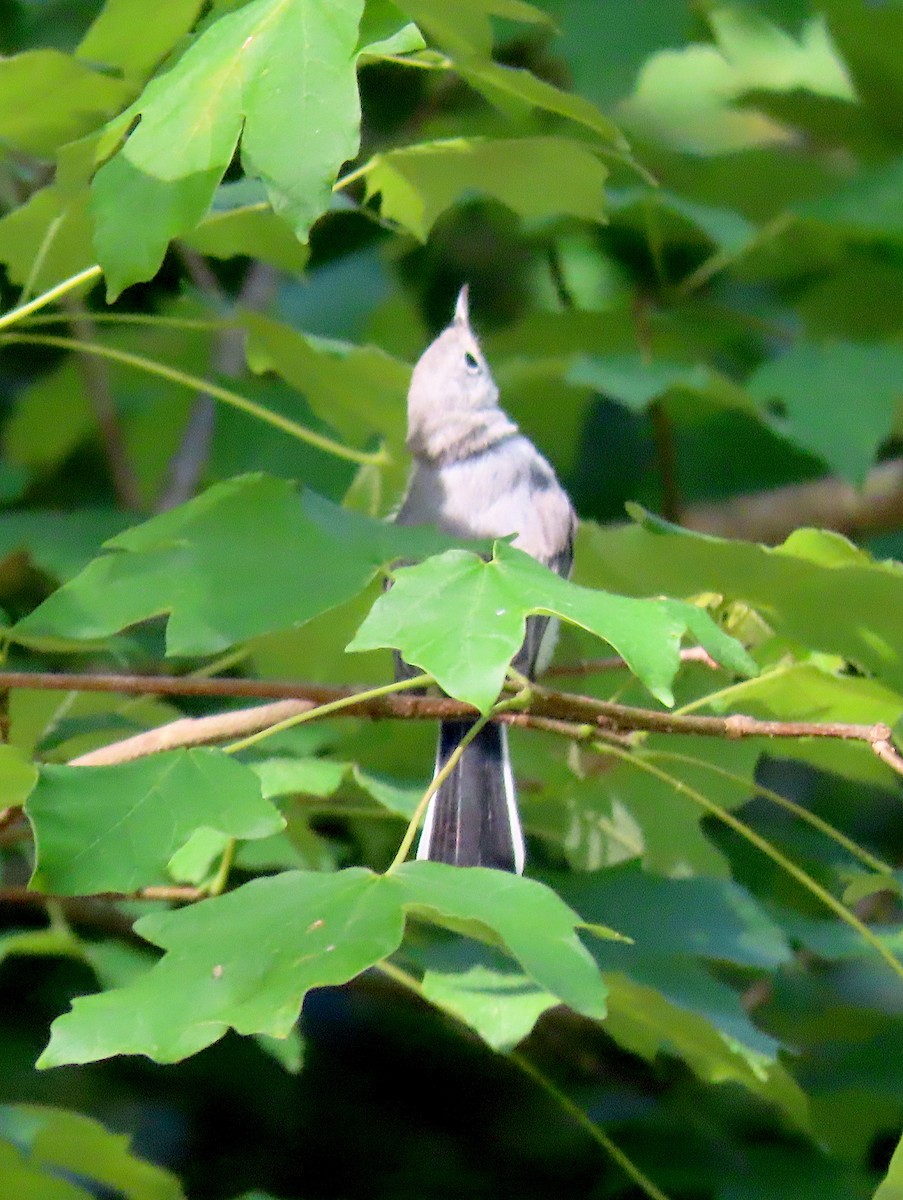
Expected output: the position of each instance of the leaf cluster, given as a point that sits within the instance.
(226, 233)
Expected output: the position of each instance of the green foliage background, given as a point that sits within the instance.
(227, 230)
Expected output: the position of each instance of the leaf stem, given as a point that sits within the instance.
(614, 1152)
(352, 176)
(195, 383)
(38, 262)
(512, 702)
(825, 827)
(575, 1112)
(203, 324)
(48, 297)
(438, 779)
(324, 710)
(755, 839)
(221, 878)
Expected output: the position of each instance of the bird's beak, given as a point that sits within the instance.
(462, 307)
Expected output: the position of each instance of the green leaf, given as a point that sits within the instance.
(869, 206)
(840, 400)
(705, 918)
(536, 927)
(482, 988)
(469, 655)
(891, 1186)
(253, 230)
(209, 564)
(243, 960)
(115, 828)
(359, 390)
(685, 98)
(48, 98)
(246, 959)
(515, 90)
(418, 183)
(383, 32)
(816, 589)
(466, 27)
(17, 777)
(645, 1023)
(671, 214)
(51, 221)
(288, 1051)
(69, 1143)
(26, 1181)
(305, 776)
(60, 543)
(618, 815)
(111, 40)
(635, 382)
(276, 75)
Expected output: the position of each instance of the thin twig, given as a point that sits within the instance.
(13, 315)
(406, 980)
(24, 895)
(96, 377)
(599, 666)
(641, 763)
(196, 384)
(257, 291)
(575, 710)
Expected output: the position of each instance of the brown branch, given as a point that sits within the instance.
(188, 462)
(599, 666)
(95, 374)
(580, 717)
(183, 895)
(581, 714)
(260, 689)
(193, 731)
(829, 503)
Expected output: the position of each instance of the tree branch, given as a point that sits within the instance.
(257, 291)
(95, 373)
(24, 895)
(581, 716)
(829, 503)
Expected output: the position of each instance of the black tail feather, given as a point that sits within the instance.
(472, 819)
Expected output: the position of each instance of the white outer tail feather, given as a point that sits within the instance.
(517, 833)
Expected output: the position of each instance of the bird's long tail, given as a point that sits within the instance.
(472, 820)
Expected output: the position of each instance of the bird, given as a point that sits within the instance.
(476, 476)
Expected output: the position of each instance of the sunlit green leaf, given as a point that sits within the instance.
(269, 73)
(815, 589)
(519, 90)
(209, 566)
(418, 183)
(71, 101)
(111, 40)
(535, 926)
(322, 929)
(219, 970)
(115, 828)
(469, 657)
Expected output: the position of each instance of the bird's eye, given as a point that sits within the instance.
(471, 362)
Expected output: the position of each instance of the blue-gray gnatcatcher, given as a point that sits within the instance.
(476, 476)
